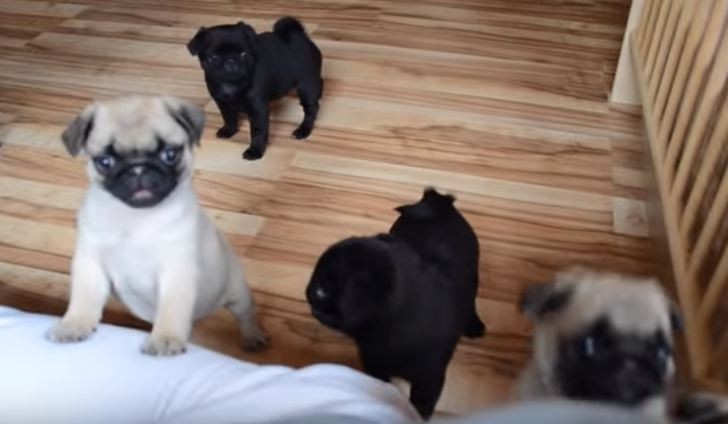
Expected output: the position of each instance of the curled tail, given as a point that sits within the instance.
(287, 27)
(431, 204)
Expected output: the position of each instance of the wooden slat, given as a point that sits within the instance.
(667, 78)
(697, 340)
(648, 10)
(701, 119)
(650, 27)
(715, 217)
(698, 71)
(719, 362)
(716, 287)
(666, 10)
(665, 46)
(705, 172)
(683, 74)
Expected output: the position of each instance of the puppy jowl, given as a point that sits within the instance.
(142, 231)
(405, 297)
(244, 71)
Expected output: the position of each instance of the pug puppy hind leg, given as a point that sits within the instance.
(309, 94)
(475, 327)
(89, 291)
(177, 296)
(240, 304)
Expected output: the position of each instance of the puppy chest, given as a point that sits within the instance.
(134, 280)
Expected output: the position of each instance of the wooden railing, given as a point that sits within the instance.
(680, 52)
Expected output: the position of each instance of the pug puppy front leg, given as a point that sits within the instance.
(259, 125)
(177, 293)
(89, 291)
(231, 120)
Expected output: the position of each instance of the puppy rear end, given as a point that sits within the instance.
(443, 237)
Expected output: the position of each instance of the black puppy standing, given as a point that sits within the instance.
(405, 297)
(244, 71)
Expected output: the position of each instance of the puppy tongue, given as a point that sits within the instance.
(142, 194)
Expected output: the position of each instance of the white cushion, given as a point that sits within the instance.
(107, 380)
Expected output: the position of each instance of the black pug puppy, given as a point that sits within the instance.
(402, 296)
(244, 71)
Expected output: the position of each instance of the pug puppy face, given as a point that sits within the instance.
(351, 283)
(603, 337)
(139, 148)
(227, 53)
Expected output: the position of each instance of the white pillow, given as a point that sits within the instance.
(107, 380)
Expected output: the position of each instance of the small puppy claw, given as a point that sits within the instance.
(252, 154)
(301, 133)
(225, 132)
(256, 343)
(70, 332)
(163, 346)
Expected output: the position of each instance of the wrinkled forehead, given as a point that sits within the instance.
(133, 126)
(225, 35)
(636, 310)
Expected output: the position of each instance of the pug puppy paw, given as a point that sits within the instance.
(164, 346)
(302, 132)
(256, 342)
(71, 331)
(226, 132)
(252, 154)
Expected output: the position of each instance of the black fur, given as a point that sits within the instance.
(140, 179)
(442, 237)
(603, 365)
(244, 71)
(404, 297)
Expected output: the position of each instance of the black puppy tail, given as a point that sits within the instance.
(433, 197)
(288, 27)
(431, 204)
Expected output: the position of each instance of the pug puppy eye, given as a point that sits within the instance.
(663, 353)
(169, 155)
(104, 162)
(213, 58)
(243, 54)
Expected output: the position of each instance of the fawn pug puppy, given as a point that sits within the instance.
(142, 233)
(405, 297)
(601, 337)
(244, 71)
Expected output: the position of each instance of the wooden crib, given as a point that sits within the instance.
(680, 54)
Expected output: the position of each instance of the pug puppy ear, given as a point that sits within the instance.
(188, 116)
(76, 135)
(249, 35)
(539, 301)
(194, 46)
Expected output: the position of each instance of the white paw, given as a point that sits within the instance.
(71, 331)
(256, 341)
(164, 346)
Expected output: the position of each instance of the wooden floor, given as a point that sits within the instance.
(502, 102)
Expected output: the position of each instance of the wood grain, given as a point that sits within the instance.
(500, 102)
